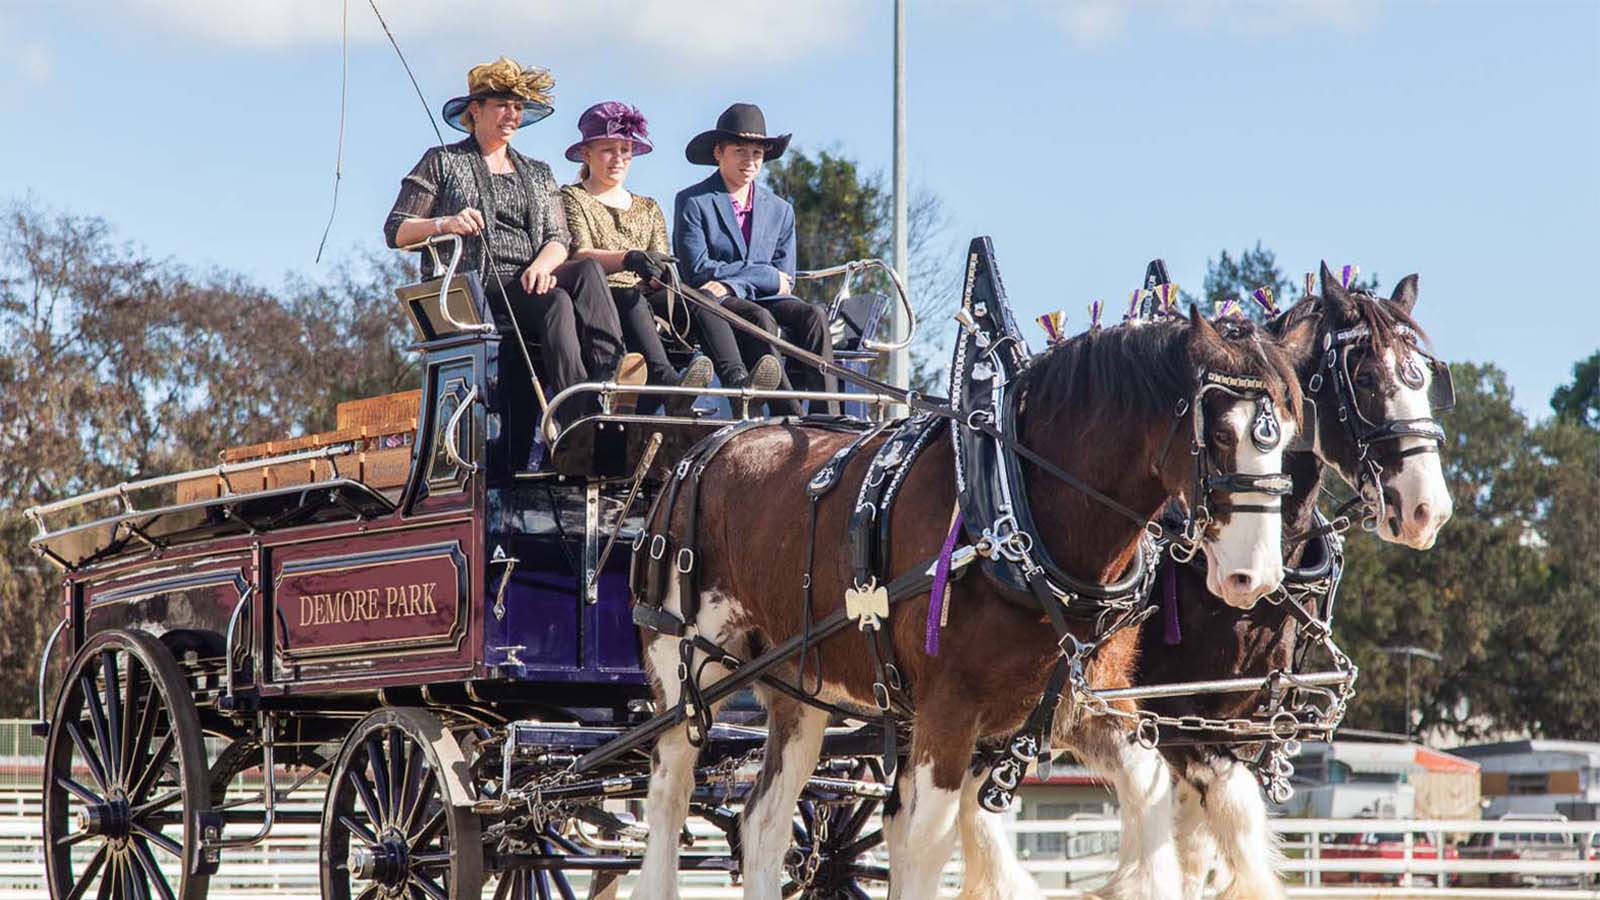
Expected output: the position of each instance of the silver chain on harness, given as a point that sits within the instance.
(1296, 712)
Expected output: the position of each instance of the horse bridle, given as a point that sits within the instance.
(1362, 432)
(1211, 485)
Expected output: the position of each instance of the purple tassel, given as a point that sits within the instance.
(941, 581)
(1169, 606)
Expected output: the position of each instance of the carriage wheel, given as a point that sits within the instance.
(245, 753)
(125, 776)
(388, 828)
(545, 884)
(839, 833)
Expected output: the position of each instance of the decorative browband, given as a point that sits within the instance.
(1239, 382)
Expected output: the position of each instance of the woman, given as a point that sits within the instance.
(482, 187)
(627, 235)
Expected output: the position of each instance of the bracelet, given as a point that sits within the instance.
(438, 225)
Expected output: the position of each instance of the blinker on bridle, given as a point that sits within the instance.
(1361, 431)
(1265, 433)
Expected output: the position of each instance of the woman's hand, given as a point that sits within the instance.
(715, 289)
(468, 221)
(539, 276)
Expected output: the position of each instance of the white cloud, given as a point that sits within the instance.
(698, 33)
(1097, 21)
(24, 65)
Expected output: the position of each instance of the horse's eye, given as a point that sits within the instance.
(1223, 437)
(1365, 380)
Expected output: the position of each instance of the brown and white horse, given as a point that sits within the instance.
(1100, 406)
(1222, 816)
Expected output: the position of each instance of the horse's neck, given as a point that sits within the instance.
(1083, 536)
(1299, 508)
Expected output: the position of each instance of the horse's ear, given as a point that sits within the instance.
(1405, 293)
(1330, 282)
(1201, 328)
(1336, 296)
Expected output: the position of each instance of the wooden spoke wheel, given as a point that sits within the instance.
(389, 831)
(125, 777)
(544, 884)
(830, 839)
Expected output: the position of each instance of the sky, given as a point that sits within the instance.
(1458, 140)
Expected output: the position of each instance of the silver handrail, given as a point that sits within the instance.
(430, 244)
(849, 270)
(37, 513)
(44, 666)
(227, 647)
(744, 395)
(213, 840)
(451, 449)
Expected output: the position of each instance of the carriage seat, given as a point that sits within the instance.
(379, 431)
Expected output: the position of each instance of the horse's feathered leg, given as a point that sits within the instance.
(1236, 814)
(1147, 866)
(922, 833)
(1197, 849)
(991, 870)
(673, 759)
(794, 740)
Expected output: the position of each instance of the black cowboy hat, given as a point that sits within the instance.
(739, 122)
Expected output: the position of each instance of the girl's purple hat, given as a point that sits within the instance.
(611, 119)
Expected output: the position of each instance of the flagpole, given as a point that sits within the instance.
(899, 363)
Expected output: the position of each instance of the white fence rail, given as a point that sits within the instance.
(285, 864)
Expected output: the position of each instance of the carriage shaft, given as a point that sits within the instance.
(1219, 686)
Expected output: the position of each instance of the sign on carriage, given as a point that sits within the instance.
(402, 599)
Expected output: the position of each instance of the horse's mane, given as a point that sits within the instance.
(1382, 317)
(1140, 370)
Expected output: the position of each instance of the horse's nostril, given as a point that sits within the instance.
(1423, 514)
(1242, 581)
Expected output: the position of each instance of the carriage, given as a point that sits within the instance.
(451, 643)
(395, 606)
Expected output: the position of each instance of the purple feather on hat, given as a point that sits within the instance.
(611, 119)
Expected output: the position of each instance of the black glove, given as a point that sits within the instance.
(647, 264)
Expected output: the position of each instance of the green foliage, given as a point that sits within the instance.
(1507, 595)
(843, 214)
(1235, 277)
(1579, 402)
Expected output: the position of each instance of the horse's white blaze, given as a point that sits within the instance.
(990, 868)
(924, 835)
(1419, 500)
(1245, 559)
(1236, 815)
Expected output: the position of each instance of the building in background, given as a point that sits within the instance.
(1539, 777)
(1071, 792)
(1360, 779)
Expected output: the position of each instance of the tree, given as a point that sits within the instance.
(843, 214)
(1507, 594)
(1228, 278)
(115, 366)
(1236, 278)
(1579, 402)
